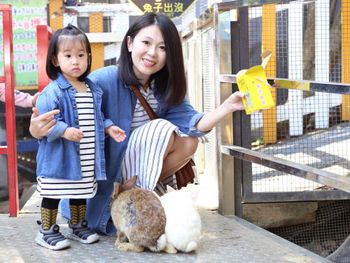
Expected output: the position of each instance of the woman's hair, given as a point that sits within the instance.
(68, 33)
(170, 81)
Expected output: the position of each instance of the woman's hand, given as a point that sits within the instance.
(234, 102)
(116, 133)
(73, 134)
(231, 104)
(41, 125)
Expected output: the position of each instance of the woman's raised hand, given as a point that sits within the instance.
(231, 104)
(234, 102)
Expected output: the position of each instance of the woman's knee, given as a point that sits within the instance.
(193, 145)
(188, 145)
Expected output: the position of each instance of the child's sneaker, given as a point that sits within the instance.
(52, 238)
(82, 233)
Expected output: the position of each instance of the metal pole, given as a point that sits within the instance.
(10, 112)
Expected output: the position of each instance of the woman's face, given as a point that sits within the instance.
(147, 52)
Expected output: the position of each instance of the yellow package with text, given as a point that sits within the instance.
(253, 83)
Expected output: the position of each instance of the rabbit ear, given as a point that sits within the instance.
(169, 189)
(193, 191)
(130, 183)
(116, 190)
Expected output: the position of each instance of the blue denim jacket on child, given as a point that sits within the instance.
(57, 157)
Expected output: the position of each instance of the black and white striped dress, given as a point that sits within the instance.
(147, 145)
(87, 186)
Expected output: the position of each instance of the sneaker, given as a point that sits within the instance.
(51, 238)
(82, 233)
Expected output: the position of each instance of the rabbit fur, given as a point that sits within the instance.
(139, 218)
(183, 225)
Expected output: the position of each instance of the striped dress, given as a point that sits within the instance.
(87, 186)
(147, 145)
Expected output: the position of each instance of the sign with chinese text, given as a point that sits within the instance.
(26, 15)
(171, 8)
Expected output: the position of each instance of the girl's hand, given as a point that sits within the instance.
(116, 133)
(234, 102)
(73, 134)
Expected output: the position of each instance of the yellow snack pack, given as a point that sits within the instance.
(253, 83)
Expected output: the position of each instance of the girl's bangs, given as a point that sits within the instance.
(68, 41)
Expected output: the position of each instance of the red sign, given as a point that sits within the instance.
(171, 8)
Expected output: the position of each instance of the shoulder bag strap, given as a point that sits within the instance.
(152, 115)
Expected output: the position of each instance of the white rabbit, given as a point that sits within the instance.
(183, 223)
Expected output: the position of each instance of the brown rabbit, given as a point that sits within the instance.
(139, 218)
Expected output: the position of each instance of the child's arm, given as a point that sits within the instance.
(116, 133)
(73, 134)
(111, 129)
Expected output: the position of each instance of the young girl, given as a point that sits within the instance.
(71, 157)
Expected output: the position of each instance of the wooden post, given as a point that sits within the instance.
(345, 55)
(56, 14)
(268, 42)
(97, 49)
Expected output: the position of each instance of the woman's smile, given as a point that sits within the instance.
(148, 63)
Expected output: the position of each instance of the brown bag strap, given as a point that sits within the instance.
(152, 115)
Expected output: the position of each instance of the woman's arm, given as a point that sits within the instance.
(22, 99)
(46, 102)
(231, 104)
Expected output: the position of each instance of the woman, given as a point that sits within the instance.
(151, 59)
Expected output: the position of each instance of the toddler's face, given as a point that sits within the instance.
(72, 58)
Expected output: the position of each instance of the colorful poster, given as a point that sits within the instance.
(26, 15)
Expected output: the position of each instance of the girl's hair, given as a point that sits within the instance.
(170, 81)
(68, 33)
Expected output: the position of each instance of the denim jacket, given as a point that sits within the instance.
(118, 105)
(57, 157)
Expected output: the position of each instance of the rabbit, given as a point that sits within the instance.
(183, 225)
(139, 218)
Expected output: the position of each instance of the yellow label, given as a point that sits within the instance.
(253, 83)
(290, 84)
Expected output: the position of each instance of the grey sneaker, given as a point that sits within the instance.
(82, 233)
(51, 238)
